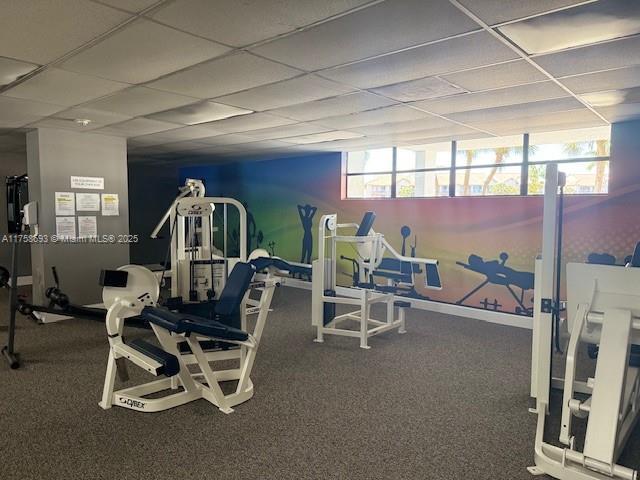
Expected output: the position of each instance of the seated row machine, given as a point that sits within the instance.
(188, 344)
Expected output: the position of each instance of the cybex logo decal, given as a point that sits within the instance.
(133, 403)
(194, 209)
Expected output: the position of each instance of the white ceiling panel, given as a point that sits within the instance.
(515, 111)
(245, 123)
(42, 31)
(330, 107)
(138, 101)
(294, 130)
(552, 121)
(379, 29)
(403, 127)
(621, 112)
(243, 23)
(200, 112)
(507, 74)
(225, 75)
(395, 113)
(498, 11)
(176, 135)
(449, 130)
(63, 88)
(98, 118)
(229, 139)
(16, 112)
(134, 6)
(494, 98)
(143, 51)
(612, 97)
(424, 88)
(323, 137)
(289, 92)
(607, 80)
(465, 52)
(136, 127)
(11, 70)
(582, 25)
(64, 124)
(604, 56)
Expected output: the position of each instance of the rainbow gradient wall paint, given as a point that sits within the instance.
(474, 238)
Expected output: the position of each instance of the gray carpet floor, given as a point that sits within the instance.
(448, 400)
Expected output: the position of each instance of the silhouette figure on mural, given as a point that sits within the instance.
(251, 227)
(306, 217)
(405, 231)
(497, 273)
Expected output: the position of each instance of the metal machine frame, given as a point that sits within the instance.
(326, 294)
(195, 378)
(603, 307)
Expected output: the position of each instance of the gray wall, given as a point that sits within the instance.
(152, 188)
(53, 156)
(13, 161)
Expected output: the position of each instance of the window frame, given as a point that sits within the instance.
(454, 168)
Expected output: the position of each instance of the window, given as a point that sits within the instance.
(482, 167)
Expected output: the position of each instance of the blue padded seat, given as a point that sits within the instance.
(187, 324)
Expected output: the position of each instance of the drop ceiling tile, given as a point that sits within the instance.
(508, 74)
(11, 70)
(136, 127)
(200, 112)
(63, 88)
(424, 88)
(294, 130)
(494, 98)
(289, 92)
(593, 58)
(331, 107)
(228, 139)
(612, 97)
(403, 127)
(498, 11)
(381, 28)
(412, 133)
(143, 51)
(16, 112)
(98, 118)
(608, 80)
(582, 25)
(63, 124)
(40, 32)
(460, 53)
(245, 123)
(395, 113)
(175, 135)
(134, 6)
(552, 121)
(243, 23)
(137, 101)
(515, 111)
(621, 113)
(225, 75)
(261, 145)
(323, 137)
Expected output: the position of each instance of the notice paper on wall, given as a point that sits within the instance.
(91, 183)
(65, 203)
(66, 227)
(110, 205)
(88, 202)
(87, 226)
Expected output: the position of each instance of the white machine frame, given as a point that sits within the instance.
(603, 307)
(190, 204)
(196, 376)
(371, 249)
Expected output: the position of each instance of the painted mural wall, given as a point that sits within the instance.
(486, 245)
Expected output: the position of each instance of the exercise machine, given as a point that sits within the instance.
(602, 309)
(398, 272)
(184, 356)
(198, 269)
